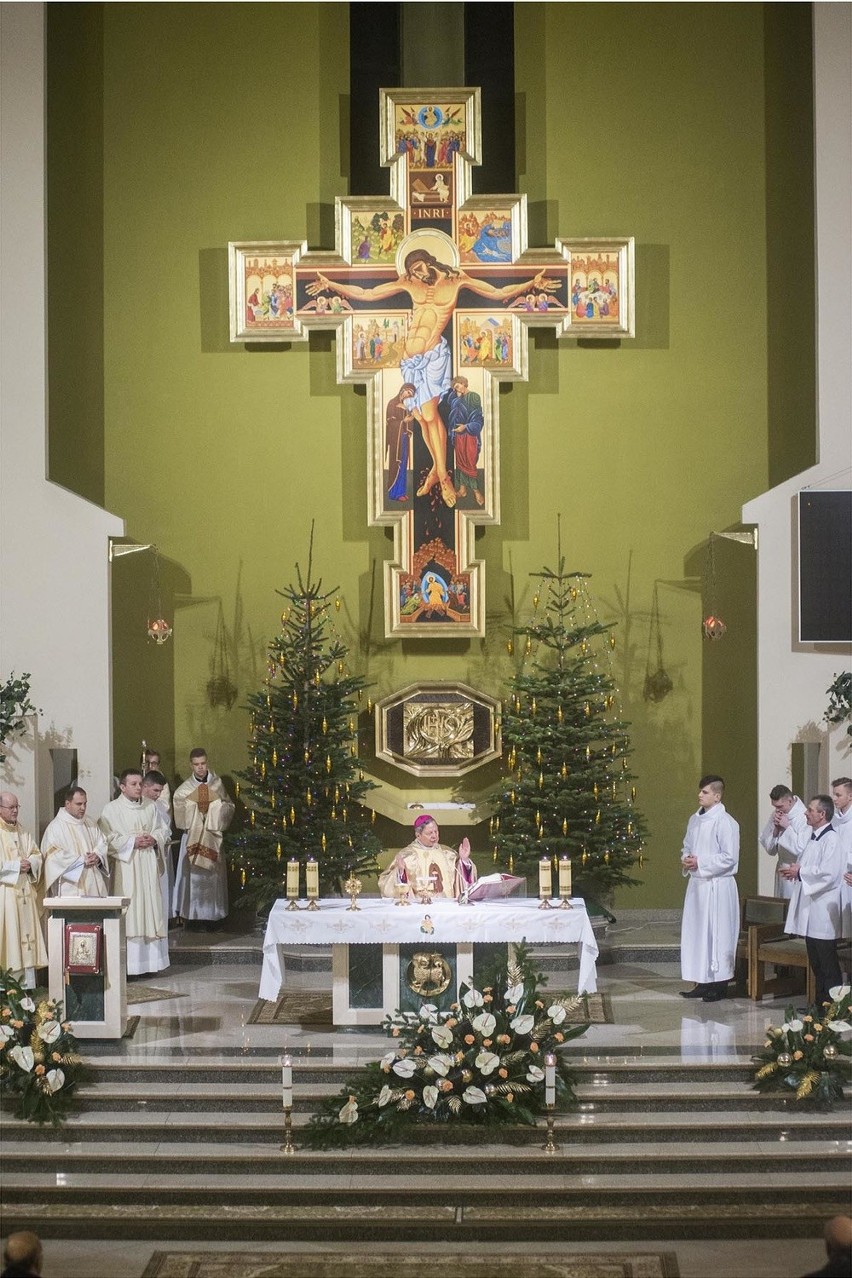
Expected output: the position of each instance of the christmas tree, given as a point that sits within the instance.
(303, 790)
(568, 789)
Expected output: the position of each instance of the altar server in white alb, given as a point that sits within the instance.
(841, 793)
(784, 833)
(22, 948)
(76, 858)
(153, 784)
(137, 841)
(203, 810)
(814, 911)
(711, 911)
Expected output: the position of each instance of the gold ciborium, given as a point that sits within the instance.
(402, 892)
(353, 887)
(425, 884)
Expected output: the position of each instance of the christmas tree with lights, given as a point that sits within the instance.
(568, 789)
(303, 790)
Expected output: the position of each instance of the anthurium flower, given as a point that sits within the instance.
(405, 1068)
(384, 1096)
(55, 1079)
(50, 1031)
(349, 1112)
(472, 998)
(23, 1057)
(27, 1004)
(474, 1096)
(534, 1074)
(430, 1096)
(387, 1060)
(837, 992)
(441, 1064)
(514, 993)
(557, 1013)
(484, 1024)
(441, 1036)
(429, 1012)
(796, 1026)
(522, 1024)
(486, 1062)
(6, 1032)
(839, 1027)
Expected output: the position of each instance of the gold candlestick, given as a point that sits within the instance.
(288, 1147)
(551, 1147)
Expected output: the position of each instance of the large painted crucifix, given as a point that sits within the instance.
(432, 291)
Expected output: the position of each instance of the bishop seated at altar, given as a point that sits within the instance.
(426, 863)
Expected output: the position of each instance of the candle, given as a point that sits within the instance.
(550, 1079)
(312, 876)
(292, 879)
(565, 876)
(287, 1082)
(545, 878)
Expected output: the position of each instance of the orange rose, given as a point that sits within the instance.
(395, 1032)
(486, 1042)
(504, 1073)
(445, 1085)
(409, 1095)
(451, 1022)
(39, 1069)
(66, 1025)
(533, 1047)
(560, 1038)
(17, 1024)
(539, 1003)
(54, 1056)
(418, 1051)
(7, 1011)
(486, 998)
(459, 1056)
(503, 1038)
(818, 1029)
(510, 1009)
(469, 1039)
(797, 1056)
(809, 1038)
(510, 1096)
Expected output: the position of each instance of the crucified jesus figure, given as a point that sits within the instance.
(433, 288)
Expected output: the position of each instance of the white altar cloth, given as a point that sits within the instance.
(384, 922)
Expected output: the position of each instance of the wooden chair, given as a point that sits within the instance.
(767, 943)
(763, 917)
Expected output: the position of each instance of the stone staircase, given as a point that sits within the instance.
(656, 1150)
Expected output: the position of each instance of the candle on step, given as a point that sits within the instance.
(545, 878)
(564, 876)
(287, 1082)
(550, 1079)
(312, 878)
(292, 879)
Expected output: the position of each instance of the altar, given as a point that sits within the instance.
(386, 956)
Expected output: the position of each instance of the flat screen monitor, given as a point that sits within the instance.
(825, 566)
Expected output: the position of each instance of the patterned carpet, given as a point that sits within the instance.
(415, 1264)
(149, 993)
(315, 1009)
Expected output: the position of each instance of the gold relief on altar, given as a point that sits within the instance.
(438, 729)
(428, 974)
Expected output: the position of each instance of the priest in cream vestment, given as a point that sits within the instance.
(137, 839)
(424, 859)
(22, 947)
(76, 859)
(203, 811)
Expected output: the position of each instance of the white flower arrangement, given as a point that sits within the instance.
(40, 1066)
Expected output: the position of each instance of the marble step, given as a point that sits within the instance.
(205, 1127)
(736, 1208)
(478, 1173)
(308, 1072)
(696, 1107)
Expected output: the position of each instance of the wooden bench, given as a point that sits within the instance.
(762, 917)
(787, 952)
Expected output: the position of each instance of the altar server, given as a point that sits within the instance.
(137, 842)
(784, 833)
(22, 948)
(814, 911)
(841, 793)
(203, 810)
(76, 858)
(153, 785)
(711, 911)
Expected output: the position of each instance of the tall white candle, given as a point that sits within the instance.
(287, 1082)
(292, 879)
(545, 878)
(564, 876)
(312, 877)
(550, 1079)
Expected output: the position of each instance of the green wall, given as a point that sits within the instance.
(224, 122)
